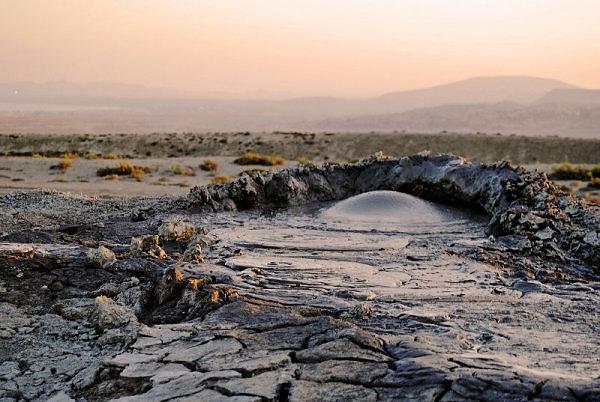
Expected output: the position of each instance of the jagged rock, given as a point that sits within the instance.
(76, 309)
(101, 257)
(175, 231)
(9, 370)
(592, 239)
(86, 377)
(136, 298)
(361, 311)
(109, 314)
(170, 283)
(203, 239)
(147, 246)
(545, 234)
(193, 253)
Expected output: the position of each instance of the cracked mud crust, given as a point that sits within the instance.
(266, 289)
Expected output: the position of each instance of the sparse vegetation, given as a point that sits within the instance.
(209, 165)
(70, 155)
(64, 164)
(123, 169)
(253, 158)
(37, 156)
(302, 160)
(568, 171)
(353, 161)
(180, 170)
(220, 179)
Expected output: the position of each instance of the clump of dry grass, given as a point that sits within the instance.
(220, 179)
(253, 158)
(209, 165)
(302, 160)
(123, 169)
(180, 170)
(568, 171)
(64, 164)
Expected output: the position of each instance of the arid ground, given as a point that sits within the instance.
(423, 277)
(174, 159)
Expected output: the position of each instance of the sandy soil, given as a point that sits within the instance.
(314, 146)
(26, 173)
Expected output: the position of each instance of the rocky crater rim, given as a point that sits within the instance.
(525, 209)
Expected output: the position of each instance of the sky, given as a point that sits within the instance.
(287, 48)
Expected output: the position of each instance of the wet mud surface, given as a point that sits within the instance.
(375, 296)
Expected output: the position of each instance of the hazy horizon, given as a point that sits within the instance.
(114, 89)
(297, 48)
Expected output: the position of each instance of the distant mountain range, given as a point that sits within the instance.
(507, 104)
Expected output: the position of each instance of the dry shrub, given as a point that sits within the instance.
(253, 158)
(220, 179)
(567, 171)
(63, 165)
(209, 165)
(182, 170)
(302, 160)
(124, 169)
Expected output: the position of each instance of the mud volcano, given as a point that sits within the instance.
(418, 278)
(384, 206)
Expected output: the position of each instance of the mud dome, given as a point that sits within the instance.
(291, 287)
(378, 207)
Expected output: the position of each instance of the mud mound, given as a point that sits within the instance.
(384, 207)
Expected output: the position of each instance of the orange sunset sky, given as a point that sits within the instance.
(298, 47)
